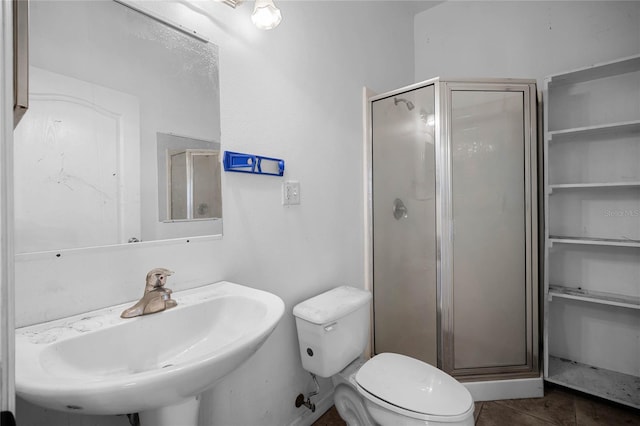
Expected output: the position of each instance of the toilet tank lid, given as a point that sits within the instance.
(331, 305)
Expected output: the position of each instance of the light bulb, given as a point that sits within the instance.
(266, 15)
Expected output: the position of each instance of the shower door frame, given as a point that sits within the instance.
(446, 350)
(444, 228)
(369, 99)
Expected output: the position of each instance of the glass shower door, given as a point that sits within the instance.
(487, 277)
(404, 224)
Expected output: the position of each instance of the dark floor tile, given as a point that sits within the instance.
(594, 412)
(330, 418)
(556, 407)
(476, 410)
(493, 414)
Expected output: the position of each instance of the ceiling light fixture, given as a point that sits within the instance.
(266, 15)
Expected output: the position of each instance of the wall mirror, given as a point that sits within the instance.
(188, 179)
(110, 88)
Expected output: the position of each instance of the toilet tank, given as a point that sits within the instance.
(333, 329)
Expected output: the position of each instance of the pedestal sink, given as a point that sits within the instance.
(156, 365)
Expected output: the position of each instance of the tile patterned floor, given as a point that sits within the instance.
(559, 407)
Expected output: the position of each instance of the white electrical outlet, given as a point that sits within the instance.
(290, 192)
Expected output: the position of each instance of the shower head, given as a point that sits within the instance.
(409, 104)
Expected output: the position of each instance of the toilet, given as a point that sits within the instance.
(389, 389)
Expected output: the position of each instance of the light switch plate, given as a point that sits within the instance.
(290, 193)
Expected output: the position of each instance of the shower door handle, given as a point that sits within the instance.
(399, 209)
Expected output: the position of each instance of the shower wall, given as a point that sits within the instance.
(454, 218)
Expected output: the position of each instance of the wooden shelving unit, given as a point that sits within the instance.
(594, 185)
(592, 230)
(619, 387)
(623, 127)
(593, 241)
(631, 302)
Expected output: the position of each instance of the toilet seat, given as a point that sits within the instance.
(413, 388)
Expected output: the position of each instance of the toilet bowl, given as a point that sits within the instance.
(389, 389)
(400, 390)
(347, 399)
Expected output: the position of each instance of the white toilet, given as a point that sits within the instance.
(389, 389)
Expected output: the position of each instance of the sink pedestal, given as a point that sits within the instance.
(183, 413)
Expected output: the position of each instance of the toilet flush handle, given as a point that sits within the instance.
(331, 326)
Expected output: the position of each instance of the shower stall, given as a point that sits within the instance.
(453, 225)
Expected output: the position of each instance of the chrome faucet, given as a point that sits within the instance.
(156, 298)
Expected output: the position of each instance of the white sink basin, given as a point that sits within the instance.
(99, 363)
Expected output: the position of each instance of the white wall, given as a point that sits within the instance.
(522, 39)
(295, 93)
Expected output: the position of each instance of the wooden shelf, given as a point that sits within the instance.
(603, 298)
(592, 135)
(594, 241)
(606, 69)
(618, 387)
(595, 185)
(625, 127)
